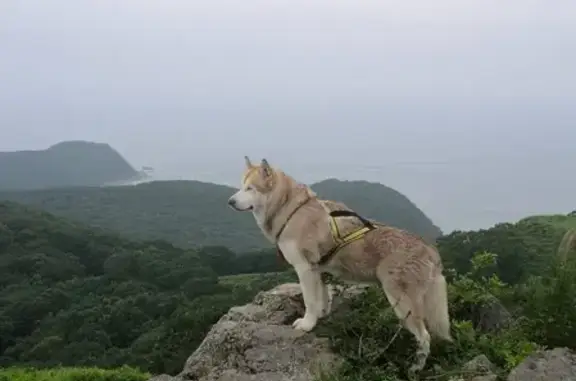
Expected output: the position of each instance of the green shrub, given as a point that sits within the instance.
(549, 306)
(362, 334)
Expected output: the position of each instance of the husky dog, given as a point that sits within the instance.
(307, 231)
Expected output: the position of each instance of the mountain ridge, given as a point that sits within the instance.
(64, 164)
(192, 213)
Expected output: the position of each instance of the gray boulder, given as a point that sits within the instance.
(478, 369)
(256, 342)
(558, 364)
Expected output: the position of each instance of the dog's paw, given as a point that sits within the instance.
(414, 370)
(305, 324)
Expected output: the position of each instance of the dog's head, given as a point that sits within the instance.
(257, 184)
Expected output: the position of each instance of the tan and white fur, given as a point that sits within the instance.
(408, 269)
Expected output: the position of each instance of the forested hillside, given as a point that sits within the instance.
(72, 163)
(79, 296)
(194, 214)
(73, 295)
(523, 248)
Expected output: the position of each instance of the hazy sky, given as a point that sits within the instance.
(467, 107)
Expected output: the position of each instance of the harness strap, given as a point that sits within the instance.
(347, 239)
(301, 204)
(349, 213)
(341, 241)
(279, 252)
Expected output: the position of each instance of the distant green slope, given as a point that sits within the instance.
(73, 163)
(193, 213)
(561, 221)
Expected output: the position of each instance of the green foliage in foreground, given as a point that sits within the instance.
(72, 374)
(545, 316)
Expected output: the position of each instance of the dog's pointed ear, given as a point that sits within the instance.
(248, 162)
(266, 169)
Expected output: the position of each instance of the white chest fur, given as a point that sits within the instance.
(259, 216)
(292, 253)
(289, 247)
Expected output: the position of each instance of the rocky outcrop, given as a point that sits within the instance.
(558, 364)
(256, 342)
(552, 365)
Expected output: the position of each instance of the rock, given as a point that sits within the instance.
(558, 364)
(479, 364)
(256, 342)
(492, 316)
(479, 369)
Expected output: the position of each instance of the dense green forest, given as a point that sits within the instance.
(196, 214)
(523, 248)
(74, 295)
(79, 296)
(72, 163)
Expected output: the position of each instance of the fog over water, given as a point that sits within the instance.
(468, 108)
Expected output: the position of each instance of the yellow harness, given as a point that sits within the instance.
(355, 235)
(342, 241)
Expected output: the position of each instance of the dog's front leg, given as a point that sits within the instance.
(312, 292)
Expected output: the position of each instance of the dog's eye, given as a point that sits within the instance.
(249, 188)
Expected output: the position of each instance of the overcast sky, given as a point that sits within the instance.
(467, 107)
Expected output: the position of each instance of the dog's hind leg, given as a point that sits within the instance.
(326, 300)
(409, 309)
(415, 324)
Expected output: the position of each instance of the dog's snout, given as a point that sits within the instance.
(231, 201)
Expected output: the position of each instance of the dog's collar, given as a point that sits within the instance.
(297, 208)
(278, 251)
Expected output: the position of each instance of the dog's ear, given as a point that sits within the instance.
(266, 169)
(248, 162)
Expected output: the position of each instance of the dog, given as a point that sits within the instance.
(308, 232)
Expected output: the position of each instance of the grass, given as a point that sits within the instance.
(249, 279)
(72, 374)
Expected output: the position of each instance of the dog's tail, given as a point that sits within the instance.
(436, 308)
